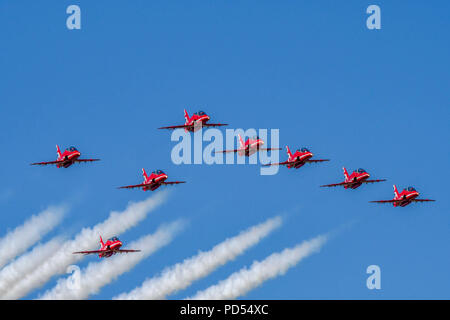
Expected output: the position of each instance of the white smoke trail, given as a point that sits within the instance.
(20, 239)
(244, 280)
(116, 223)
(183, 274)
(98, 274)
(25, 264)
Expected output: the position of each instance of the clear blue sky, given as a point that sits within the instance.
(372, 99)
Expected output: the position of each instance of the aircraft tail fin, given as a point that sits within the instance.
(345, 172)
(186, 116)
(288, 152)
(144, 174)
(395, 190)
(241, 141)
(101, 241)
(58, 151)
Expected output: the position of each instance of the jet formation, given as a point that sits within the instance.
(200, 119)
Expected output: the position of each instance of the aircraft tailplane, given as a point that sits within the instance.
(241, 142)
(395, 190)
(144, 174)
(58, 151)
(345, 173)
(288, 152)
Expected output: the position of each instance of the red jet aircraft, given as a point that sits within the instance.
(404, 198)
(66, 159)
(298, 159)
(152, 181)
(251, 146)
(353, 181)
(111, 247)
(194, 123)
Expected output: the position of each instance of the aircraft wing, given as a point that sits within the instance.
(373, 181)
(134, 186)
(268, 149)
(243, 150)
(385, 201)
(228, 151)
(392, 201)
(177, 127)
(90, 252)
(350, 183)
(317, 160)
(172, 182)
(61, 161)
(278, 164)
(85, 160)
(126, 251)
(336, 184)
(46, 163)
(214, 124)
